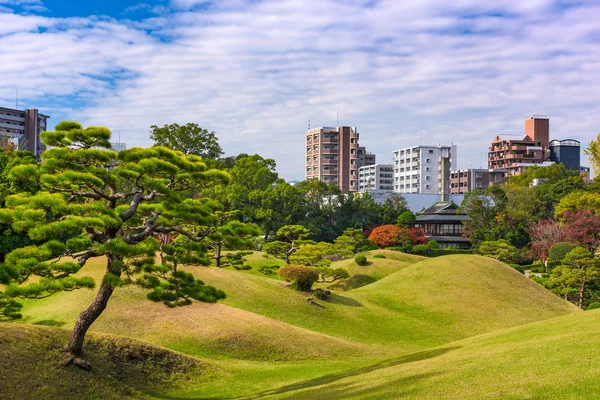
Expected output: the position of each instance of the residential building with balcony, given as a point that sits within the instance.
(516, 155)
(424, 169)
(332, 156)
(465, 180)
(365, 158)
(24, 127)
(378, 177)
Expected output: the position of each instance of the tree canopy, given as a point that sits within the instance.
(189, 139)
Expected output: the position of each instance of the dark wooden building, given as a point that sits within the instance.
(442, 222)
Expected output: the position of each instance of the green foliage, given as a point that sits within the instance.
(559, 251)
(593, 306)
(378, 256)
(360, 260)
(235, 259)
(406, 219)
(500, 250)
(578, 201)
(322, 294)
(576, 278)
(277, 249)
(354, 240)
(593, 154)
(317, 254)
(268, 269)
(327, 274)
(302, 278)
(322, 202)
(189, 139)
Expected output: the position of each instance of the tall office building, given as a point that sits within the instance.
(516, 155)
(24, 127)
(332, 156)
(424, 169)
(566, 151)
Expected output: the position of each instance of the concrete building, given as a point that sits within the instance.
(332, 156)
(516, 155)
(567, 151)
(365, 158)
(378, 177)
(25, 127)
(424, 169)
(118, 146)
(465, 180)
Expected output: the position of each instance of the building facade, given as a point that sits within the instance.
(332, 156)
(443, 222)
(365, 158)
(24, 126)
(515, 156)
(567, 151)
(465, 180)
(118, 146)
(424, 169)
(377, 177)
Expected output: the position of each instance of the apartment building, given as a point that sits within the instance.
(377, 177)
(365, 158)
(516, 155)
(463, 181)
(25, 127)
(424, 169)
(332, 156)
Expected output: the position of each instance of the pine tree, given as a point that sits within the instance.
(94, 202)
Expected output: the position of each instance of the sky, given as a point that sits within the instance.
(257, 71)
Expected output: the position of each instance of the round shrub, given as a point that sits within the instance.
(301, 277)
(378, 256)
(360, 260)
(322, 294)
(593, 306)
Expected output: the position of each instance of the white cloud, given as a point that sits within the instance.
(256, 72)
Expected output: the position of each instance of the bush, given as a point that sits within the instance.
(322, 294)
(593, 306)
(558, 251)
(301, 278)
(360, 260)
(268, 269)
(242, 267)
(378, 256)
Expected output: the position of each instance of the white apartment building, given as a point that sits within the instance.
(424, 169)
(378, 177)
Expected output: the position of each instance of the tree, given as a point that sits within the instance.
(353, 240)
(483, 206)
(231, 235)
(301, 277)
(313, 255)
(593, 153)
(284, 249)
(544, 235)
(500, 250)
(322, 201)
(572, 280)
(280, 204)
(406, 220)
(559, 251)
(578, 201)
(189, 139)
(386, 235)
(94, 202)
(583, 227)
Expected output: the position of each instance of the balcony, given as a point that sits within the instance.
(334, 141)
(329, 162)
(329, 151)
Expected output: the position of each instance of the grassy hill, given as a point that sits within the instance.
(31, 367)
(266, 336)
(554, 359)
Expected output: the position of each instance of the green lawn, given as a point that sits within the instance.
(266, 338)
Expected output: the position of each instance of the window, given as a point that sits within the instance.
(427, 169)
(430, 151)
(428, 160)
(427, 186)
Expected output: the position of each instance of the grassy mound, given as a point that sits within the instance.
(554, 359)
(32, 368)
(376, 268)
(213, 330)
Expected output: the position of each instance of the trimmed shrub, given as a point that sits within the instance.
(559, 251)
(322, 294)
(360, 260)
(593, 306)
(268, 269)
(301, 277)
(242, 267)
(378, 256)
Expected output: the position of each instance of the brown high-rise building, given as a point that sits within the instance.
(332, 156)
(516, 155)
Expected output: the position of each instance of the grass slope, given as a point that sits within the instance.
(31, 367)
(554, 359)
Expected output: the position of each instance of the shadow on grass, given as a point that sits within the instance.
(353, 282)
(49, 322)
(327, 379)
(337, 299)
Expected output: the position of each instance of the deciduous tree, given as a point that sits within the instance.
(189, 139)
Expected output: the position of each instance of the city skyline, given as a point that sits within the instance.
(257, 72)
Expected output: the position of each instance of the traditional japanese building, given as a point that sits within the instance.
(443, 222)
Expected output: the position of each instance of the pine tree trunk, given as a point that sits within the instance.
(218, 255)
(89, 316)
(581, 292)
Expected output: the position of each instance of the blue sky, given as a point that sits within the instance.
(257, 71)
